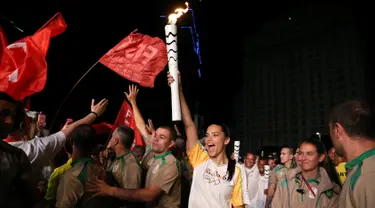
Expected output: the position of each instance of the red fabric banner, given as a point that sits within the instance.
(125, 117)
(138, 58)
(23, 66)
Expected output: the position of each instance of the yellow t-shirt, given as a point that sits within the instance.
(341, 170)
(210, 187)
(54, 180)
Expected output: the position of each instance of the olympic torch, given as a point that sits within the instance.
(171, 41)
(236, 150)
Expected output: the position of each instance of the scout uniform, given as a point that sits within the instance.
(210, 187)
(277, 176)
(71, 190)
(126, 171)
(163, 171)
(359, 188)
(295, 191)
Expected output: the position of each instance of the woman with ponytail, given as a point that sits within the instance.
(309, 185)
(217, 180)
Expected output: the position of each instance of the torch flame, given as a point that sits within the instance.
(172, 18)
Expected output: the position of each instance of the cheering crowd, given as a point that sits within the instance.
(182, 171)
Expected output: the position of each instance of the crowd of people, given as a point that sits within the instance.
(180, 169)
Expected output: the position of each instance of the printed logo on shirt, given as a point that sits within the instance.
(315, 190)
(155, 169)
(151, 161)
(213, 177)
(115, 168)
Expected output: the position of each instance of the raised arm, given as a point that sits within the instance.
(139, 122)
(190, 129)
(96, 110)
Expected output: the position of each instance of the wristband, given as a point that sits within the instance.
(94, 113)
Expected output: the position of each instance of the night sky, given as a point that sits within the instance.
(94, 28)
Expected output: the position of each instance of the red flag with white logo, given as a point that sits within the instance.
(138, 58)
(126, 117)
(23, 69)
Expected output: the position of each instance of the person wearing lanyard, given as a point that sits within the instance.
(352, 130)
(217, 180)
(308, 185)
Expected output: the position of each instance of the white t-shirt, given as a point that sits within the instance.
(252, 175)
(41, 150)
(210, 187)
(259, 200)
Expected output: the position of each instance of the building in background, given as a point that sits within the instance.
(295, 69)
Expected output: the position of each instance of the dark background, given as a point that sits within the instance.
(95, 27)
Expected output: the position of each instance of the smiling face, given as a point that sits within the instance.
(309, 157)
(162, 141)
(216, 140)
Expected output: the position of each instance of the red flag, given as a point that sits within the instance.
(3, 42)
(23, 69)
(138, 58)
(125, 117)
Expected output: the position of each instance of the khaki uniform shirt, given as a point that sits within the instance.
(277, 176)
(163, 172)
(127, 171)
(71, 189)
(359, 188)
(294, 193)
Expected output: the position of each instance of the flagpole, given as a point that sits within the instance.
(48, 21)
(70, 92)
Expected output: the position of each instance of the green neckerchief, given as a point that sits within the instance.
(83, 174)
(121, 157)
(358, 162)
(162, 157)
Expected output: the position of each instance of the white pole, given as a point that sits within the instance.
(171, 40)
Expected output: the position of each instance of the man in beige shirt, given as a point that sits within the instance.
(71, 190)
(163, 180)
(125, 168)
(353, 136)
(278, 174)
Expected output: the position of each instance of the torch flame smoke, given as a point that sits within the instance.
(172, 18)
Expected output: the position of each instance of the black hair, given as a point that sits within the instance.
(231, 163)
(126, 135)
(326, 163)
(6, 97)
(172, 132)
(68, 147)
(84, 138)
(356, 117)
(19, 117)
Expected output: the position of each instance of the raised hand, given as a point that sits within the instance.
(99, 108)
(133, 92)
(150, 127)
(171, 79)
